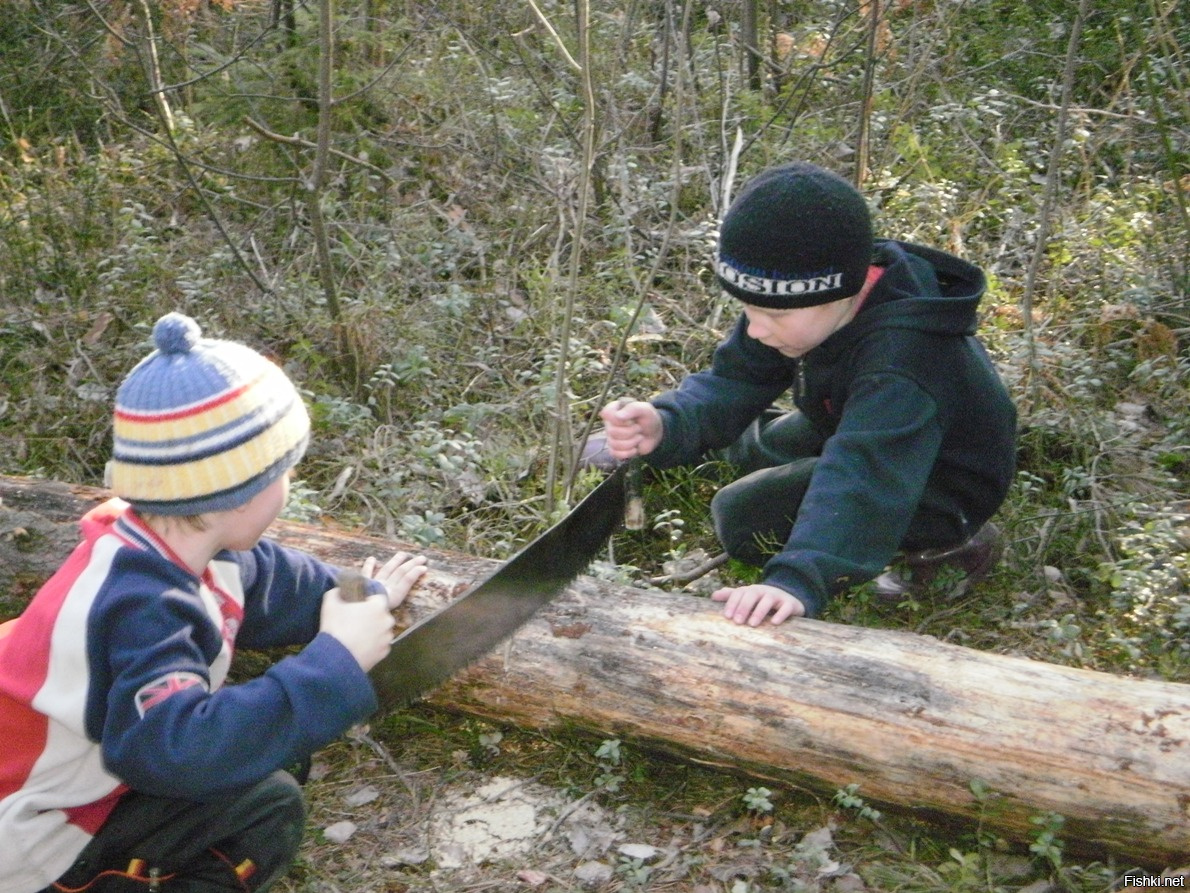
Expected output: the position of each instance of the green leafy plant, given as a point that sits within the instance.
(1047, 846)
(758, 800)
(849, 798)
(610, 758)
(636, 873)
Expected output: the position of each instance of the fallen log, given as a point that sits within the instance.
(913, 721)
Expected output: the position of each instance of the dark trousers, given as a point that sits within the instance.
(244, 842)
(754, 514)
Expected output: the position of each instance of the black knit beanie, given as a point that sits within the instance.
(796, 236)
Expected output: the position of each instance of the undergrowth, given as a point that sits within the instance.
(431, 370)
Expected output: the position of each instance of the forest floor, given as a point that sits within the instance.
(453, 805)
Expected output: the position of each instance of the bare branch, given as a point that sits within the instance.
(549, 28)
(275, 137)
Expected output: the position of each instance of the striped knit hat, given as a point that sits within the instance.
(202, 425)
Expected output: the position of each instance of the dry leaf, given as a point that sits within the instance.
(360, 796)
(98, 328)
(340, 832)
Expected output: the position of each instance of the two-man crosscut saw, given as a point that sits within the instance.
(435, 648)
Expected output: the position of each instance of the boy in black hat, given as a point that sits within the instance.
(903, 442)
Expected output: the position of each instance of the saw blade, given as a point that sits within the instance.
(432, 650)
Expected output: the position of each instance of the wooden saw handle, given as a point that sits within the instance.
(353, 586)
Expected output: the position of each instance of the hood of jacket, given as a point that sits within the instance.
(922, 289)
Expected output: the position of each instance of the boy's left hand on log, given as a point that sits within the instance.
(399, 575)
(751, 604)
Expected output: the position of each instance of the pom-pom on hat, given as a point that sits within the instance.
(202, 425)
(796, 236)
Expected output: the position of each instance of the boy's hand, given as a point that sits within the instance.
(751, 604)
(364, 628)
(398, 574)
(633, 428)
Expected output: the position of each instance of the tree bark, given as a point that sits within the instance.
(913, 721)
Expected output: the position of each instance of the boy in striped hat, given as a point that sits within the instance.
(126, 757)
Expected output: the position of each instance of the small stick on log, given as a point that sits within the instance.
(695, 573)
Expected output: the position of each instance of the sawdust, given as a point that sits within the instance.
(507, 818)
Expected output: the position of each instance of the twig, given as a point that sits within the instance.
(545, 23)
(298, 141)
(314, 188)
(694, 573)
(587, 84)
(1051, 183)
(863, 140)
(567, 813)
(381, 751)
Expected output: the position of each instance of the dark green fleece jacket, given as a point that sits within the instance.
(906, 399)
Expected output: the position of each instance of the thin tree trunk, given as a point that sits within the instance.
(863, 140)
(750, 37)
(561, 434)
(316, 189)
(152, 65)
(1052, 178)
